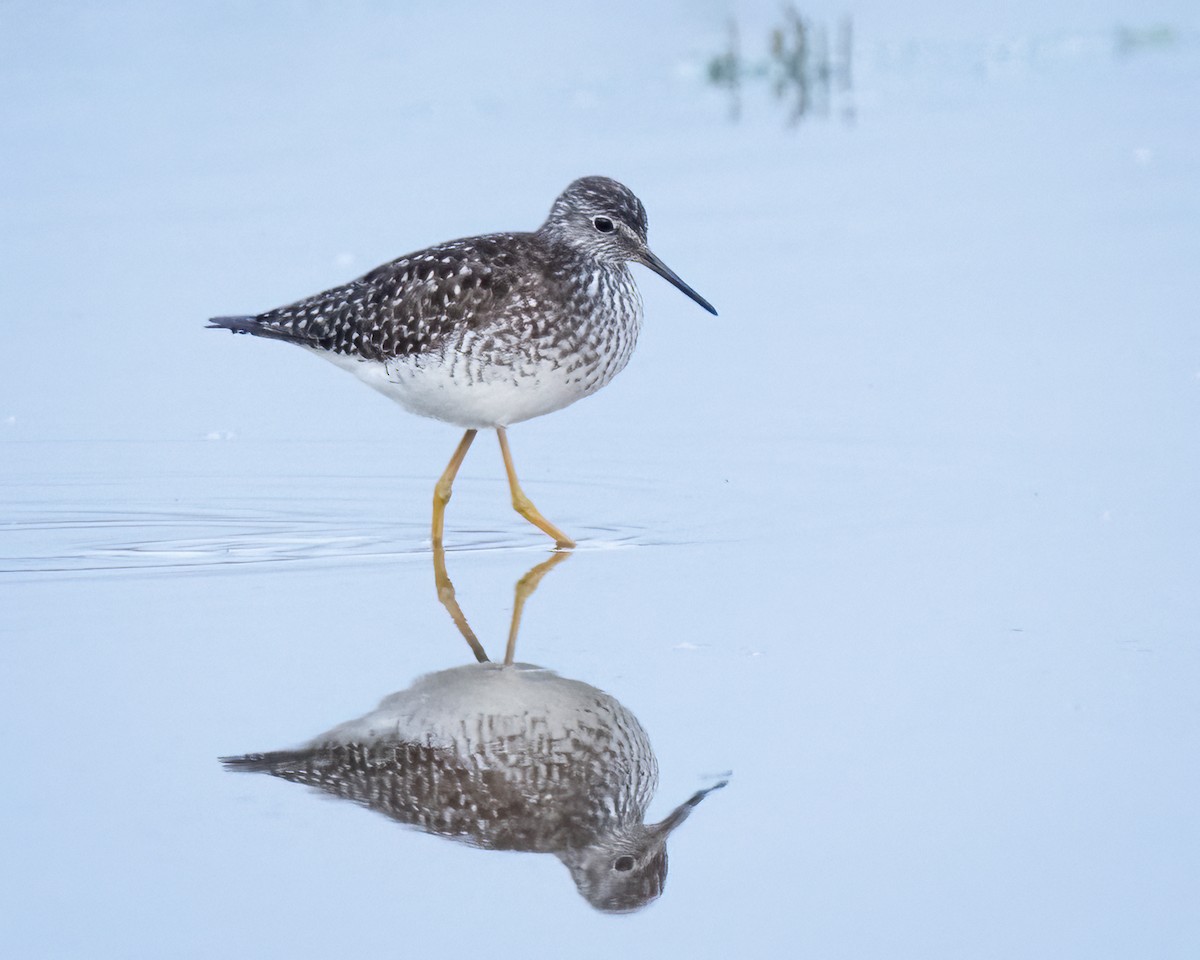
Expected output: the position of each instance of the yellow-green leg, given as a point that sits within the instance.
(445, 592)
(443, 488)
(521, 503)
(525, 587)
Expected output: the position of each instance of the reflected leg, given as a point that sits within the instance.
(445, 592)
(525, 587)
(442, 489)
(522, 504)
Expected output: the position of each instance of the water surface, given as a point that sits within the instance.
(903, 542)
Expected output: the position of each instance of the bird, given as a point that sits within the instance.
(505, 757)
(489, 331)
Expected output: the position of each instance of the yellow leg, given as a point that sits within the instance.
(442, 490)
(521, 503)
(445, 591)
(525, 587)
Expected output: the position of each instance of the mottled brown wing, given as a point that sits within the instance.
(412, 305)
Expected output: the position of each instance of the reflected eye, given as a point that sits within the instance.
(624, 864)
(604, 225)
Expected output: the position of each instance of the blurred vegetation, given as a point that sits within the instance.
(1139, 39)
(806, 65)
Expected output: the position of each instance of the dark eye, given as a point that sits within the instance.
(604, 225)
(624, 864)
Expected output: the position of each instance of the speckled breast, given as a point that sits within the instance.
(544, 355)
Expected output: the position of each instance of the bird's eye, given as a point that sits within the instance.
(624, 864)
(603, 224)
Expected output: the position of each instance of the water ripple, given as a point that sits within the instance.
(93, 541)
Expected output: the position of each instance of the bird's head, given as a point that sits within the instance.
(603, 219)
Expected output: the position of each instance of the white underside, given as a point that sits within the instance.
(440, 709)
(432, 387)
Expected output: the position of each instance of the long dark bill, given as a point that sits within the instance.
(651, 261)
(681, 812)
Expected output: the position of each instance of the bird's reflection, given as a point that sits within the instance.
(504, 756)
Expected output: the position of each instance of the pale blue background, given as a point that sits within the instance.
(907, 538)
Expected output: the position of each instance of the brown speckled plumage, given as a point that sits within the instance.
(555, 310)
(490, 331)
(504, 758)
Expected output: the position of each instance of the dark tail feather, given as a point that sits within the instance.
(251, 325)
(263, 762)
(325, 766)
(234, 324)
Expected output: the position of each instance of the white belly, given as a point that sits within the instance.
(431, 386)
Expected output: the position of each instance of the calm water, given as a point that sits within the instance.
(903, 544)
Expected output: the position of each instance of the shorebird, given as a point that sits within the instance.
(490, 331)
(505, 757)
